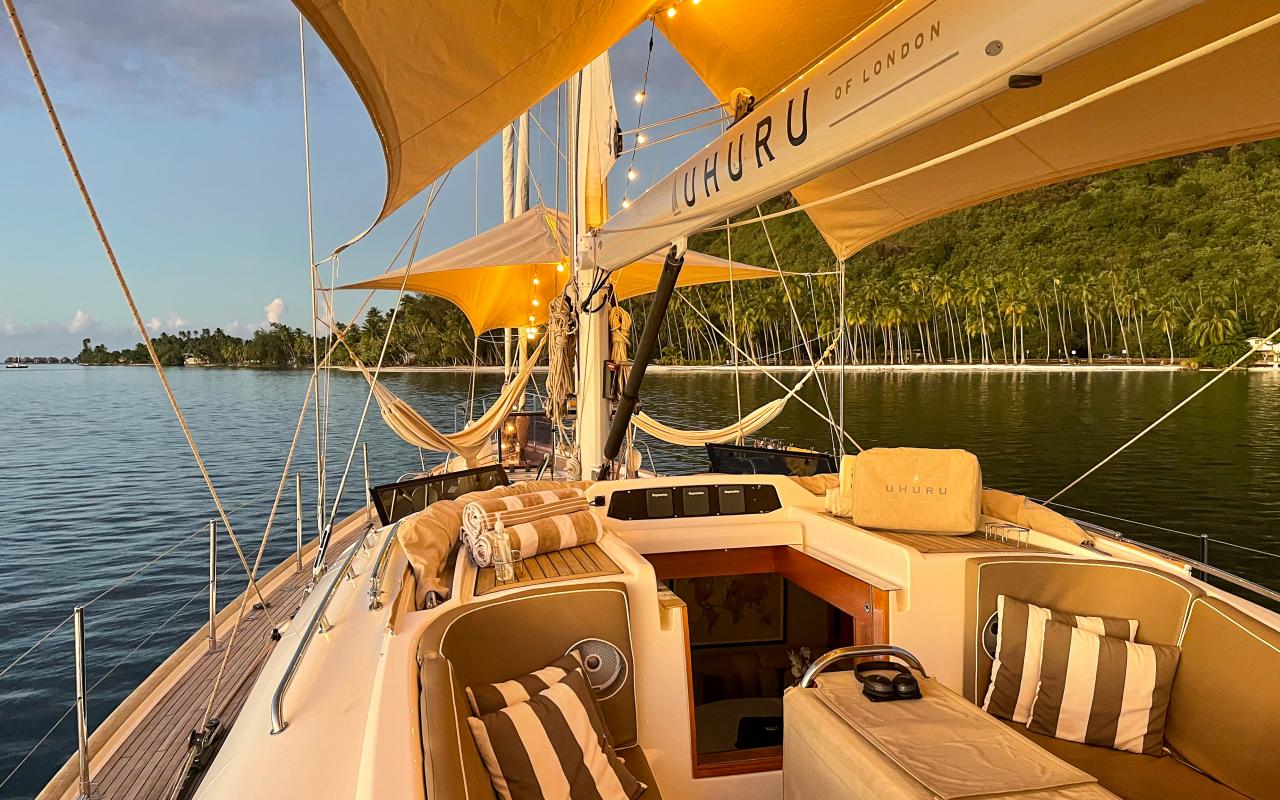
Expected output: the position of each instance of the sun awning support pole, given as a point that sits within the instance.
(644, 354)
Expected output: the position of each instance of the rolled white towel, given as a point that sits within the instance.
(474, 520)
(481, 549)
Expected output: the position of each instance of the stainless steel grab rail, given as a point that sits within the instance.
(318, 622)
(375, 572)
(858, 651)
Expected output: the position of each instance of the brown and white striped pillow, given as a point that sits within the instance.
(1016, 670)
(552, 746)
(493, 697)
(1103, 691)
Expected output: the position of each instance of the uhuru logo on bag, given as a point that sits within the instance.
(914, 489)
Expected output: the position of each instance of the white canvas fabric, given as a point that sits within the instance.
(917, 489)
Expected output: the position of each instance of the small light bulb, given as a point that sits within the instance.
(626, 203)
(560, 267)
(639, 97)
(535, 302)
(695, 2)
(532, 332)
(531, 318)
(535, 281)
(640, 138)
(671, 12)
(631, 174)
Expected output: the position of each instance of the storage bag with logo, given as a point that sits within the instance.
(917, 489)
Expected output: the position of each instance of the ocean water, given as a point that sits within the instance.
(96, 481)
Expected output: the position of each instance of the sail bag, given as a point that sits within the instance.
(917, 489)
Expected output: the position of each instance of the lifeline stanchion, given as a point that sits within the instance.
(297, 486)
(368, 492)
(82, 710)
(213, 585)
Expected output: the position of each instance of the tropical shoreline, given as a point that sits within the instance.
(825, 368)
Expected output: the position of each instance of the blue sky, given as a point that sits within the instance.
(185, 116)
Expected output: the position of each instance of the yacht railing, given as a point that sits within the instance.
(318, 622)
(205, 587)
(375, 572)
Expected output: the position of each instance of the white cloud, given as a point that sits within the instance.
(153, 325)
(176, 321)
(275, 311)
(82, 321)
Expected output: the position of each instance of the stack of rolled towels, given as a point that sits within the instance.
(537, 522)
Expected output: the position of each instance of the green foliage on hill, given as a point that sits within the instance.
(1173, 259)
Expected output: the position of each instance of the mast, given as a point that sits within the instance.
(521, 206)
(508, 211)
(589, 90)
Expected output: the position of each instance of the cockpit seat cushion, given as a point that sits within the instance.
(1158, 600)
(1224, 712)
(634, 758)
(553, 745)
(473, 645)
(1136, 777)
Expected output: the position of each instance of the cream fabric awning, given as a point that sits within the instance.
(439, 77)
(1221, 99)
(491, 276)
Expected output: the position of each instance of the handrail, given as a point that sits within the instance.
(375, 573)
(1194, 564)
(278, 722)
(858, 651)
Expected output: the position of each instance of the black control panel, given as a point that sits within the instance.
(667, 502)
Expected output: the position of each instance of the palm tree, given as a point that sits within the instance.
(1166, 319)
(1213, 325)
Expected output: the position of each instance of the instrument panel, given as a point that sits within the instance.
(672, 502)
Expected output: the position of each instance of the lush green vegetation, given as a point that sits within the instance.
(1175, 259)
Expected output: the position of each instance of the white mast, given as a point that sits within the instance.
(508, 211)
(591, 121)
(521, 206)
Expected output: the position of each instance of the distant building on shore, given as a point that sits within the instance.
(1268, 350)
(194, 361)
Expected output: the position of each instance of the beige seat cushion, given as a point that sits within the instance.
(1132, 776)
(1224, 714)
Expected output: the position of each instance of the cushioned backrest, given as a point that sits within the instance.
(1158, 600)
(501, 640)
(1224, 714)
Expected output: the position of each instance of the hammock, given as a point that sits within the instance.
(410, 426)
(750, 423)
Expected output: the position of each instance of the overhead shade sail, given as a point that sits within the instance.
(439, 77)
(491, 276)
(1221, 98)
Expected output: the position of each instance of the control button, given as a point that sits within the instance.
(658, 503)
(696, 501)
(733, 500)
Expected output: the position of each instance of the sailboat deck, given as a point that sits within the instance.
(147, 763)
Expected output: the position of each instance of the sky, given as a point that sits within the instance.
(185, 117)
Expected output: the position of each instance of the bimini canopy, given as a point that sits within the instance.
(440, 77)
(506, 276)
(1214, 99)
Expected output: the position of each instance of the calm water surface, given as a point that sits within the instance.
(95, 480)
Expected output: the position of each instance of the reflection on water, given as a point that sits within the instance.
(96, 478)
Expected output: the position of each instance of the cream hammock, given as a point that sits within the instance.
(468, 442)
(620, 324)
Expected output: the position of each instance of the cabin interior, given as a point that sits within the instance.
(707, 598)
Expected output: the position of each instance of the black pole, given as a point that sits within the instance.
(644, 354)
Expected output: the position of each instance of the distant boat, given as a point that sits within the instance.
(15, 363)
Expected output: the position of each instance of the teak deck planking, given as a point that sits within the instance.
(146, 765)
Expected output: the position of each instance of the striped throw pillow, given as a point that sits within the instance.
(1103, 691)
(493, 697)
(1016, 670)
(552, 746)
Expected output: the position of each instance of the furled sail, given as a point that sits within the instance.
(439, 77)
(1120, 83)
(510, 273)
(469, 442)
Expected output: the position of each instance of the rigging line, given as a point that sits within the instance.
(669, 120)
(644, 89)
(547, 136)
(843, 326)
(765, 371)
(662, 140)
(355, 441)
(262, 548)
(733, 329)
(311, 257)
(1166, 415)
(1075, 105)
(795, 315)
(119, 275)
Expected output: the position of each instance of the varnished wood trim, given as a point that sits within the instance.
(738, 762)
